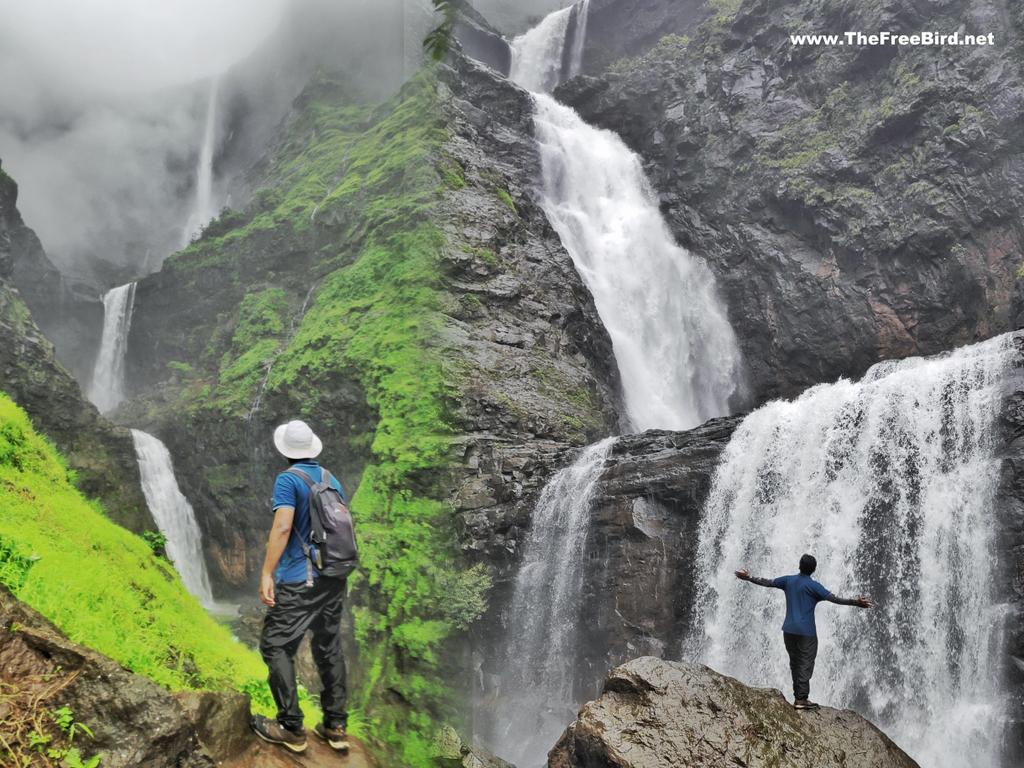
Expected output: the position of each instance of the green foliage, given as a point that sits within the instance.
(506, 198)
(99, 583)
(439, 40)
(157, 542)
(14, 564)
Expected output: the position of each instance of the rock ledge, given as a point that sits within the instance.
(656, 714)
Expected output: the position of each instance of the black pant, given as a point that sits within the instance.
(296, 610)
(802, 651)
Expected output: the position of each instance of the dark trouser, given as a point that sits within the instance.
(296, 610)
(802, 650)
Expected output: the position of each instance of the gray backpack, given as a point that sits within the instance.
(331, 548)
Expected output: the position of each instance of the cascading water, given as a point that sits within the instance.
(106, 390)
(204, 210)
(537, 53)
(676, 353)
(173, 515)
(536, 700)
(890, 483)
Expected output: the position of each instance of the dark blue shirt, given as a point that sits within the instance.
(802, 595)
(292, 491)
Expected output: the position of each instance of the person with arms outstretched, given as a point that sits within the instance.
(799, 631)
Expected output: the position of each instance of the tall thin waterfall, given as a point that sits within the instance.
(173, 515)
(579, 38)
(890, 483)
(536, 701)
(676, 353)
(106, 390)
(204, 210)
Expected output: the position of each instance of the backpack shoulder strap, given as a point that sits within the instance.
(300, 474)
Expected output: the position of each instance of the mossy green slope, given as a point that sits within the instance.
(98, 582)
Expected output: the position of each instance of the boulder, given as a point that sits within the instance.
(657, 714)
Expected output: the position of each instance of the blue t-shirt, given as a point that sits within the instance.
(802, 594)
(292, 491)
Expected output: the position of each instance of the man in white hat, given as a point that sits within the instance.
(298, 600)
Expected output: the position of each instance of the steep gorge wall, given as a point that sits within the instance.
(856, 203)
(30, 373)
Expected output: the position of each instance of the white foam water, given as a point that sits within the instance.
(676, 352)
(536, 700)
(890, 482)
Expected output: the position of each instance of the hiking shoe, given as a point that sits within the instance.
(805, 704)
(335, 737)
(275, 733)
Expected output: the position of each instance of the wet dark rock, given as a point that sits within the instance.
(618, 29)
(481, 41)
(855, 203)
(30, 373)
(656, 714)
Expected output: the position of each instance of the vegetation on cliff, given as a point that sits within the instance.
(100, 584)
(330, 291)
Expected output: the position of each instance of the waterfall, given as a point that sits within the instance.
(173, 515)
(890, 482)
(677, 355)
(204, 210)
(106, 390)
(536, 700)
(579, 38)
(537, 53)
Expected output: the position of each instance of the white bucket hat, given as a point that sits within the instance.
(295, 440)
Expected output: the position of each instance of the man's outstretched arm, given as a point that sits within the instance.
(855, 602)
(744, 575)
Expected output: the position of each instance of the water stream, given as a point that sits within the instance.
(106, 391)
(173, 515)
(890, 482)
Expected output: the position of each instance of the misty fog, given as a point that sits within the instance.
(103, 107)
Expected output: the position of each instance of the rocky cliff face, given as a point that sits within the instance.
(654, 713)
(67, 312)
(857, 203)
(102, 455)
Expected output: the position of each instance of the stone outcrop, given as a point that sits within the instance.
(656, 714)
(856, 203)
(30, 373)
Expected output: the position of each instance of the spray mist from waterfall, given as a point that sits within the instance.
(890, 482)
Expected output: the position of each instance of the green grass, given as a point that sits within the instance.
(99, 583)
